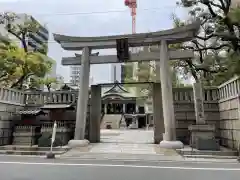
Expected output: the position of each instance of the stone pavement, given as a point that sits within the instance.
(119, 151)
(136, 136)
(124, 145)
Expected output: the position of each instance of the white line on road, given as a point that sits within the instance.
(124, 166)
(203, 161)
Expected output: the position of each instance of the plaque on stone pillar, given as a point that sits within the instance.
(202, 134)
(198, 103)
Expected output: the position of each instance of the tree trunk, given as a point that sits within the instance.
(19, 81)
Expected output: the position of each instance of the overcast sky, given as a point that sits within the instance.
(93, 18)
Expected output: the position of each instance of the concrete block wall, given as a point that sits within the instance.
(11, 101)
(229, 108)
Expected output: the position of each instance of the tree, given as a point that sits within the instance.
(30, 62)
(49, 82)
(8, 64)
(217, 44)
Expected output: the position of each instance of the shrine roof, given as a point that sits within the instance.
(30, 112)
(57, 106)
(117, 89)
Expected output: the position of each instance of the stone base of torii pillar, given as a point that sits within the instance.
(171, 144)
(78, 143)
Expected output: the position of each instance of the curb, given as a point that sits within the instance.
(32, 153)
(210, 157)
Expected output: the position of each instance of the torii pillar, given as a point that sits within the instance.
(82, 103)
(169, 137)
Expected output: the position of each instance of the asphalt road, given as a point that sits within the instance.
(25, 168)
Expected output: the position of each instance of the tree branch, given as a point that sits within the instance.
(206, 38)
(223, 5)
(216, 5)
(193, 72)
(14, 34)
(207, 48)
(199, 51)
(23, 41)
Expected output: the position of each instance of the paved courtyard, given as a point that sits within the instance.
(128, 136)
(124, 144)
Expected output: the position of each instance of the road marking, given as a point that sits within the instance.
(124, 166)
(154, 161)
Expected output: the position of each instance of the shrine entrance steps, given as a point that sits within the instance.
(111, 121)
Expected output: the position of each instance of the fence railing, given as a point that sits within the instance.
(56, 97)
(12, 96)
(230, 88)
(66, 97)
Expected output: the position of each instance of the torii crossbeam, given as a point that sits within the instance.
(142, 56)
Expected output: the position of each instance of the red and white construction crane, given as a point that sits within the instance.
(132, 4)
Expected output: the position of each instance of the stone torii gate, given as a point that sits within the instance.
(162, 38)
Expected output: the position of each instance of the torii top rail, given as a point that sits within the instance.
(176, 35)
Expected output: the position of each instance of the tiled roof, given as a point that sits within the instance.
(30, 112)
(57, 106)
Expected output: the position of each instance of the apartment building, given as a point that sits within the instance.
(75, 74)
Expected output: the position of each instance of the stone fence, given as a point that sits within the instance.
(183, 102)
(221, 107)
(12, 96)
(59, 97)
(56, 97)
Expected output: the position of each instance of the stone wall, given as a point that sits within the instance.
(10, 102)
(229, 107)
(185, 113)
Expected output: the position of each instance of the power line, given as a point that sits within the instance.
(95, 12)
(101, 12)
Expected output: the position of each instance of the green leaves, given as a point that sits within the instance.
(49, 82)
(217, 46)
(17, 63)
(234, 15)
